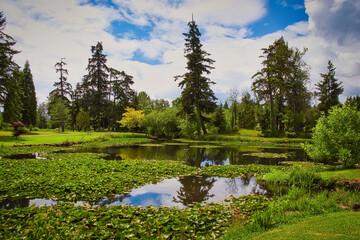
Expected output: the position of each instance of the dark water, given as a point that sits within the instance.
(175, 192)
(200, 156)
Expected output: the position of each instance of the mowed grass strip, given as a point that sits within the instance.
(341, 175)
(340, 225)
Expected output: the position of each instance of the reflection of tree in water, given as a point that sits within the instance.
(196, 156)
(107, 201)
(233, 185)
(194, 189)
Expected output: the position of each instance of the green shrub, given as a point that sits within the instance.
(336, 138)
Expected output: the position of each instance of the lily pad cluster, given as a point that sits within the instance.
(65, 221)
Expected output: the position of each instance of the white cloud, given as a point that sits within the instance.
(49, 30)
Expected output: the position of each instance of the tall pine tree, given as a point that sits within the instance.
(197, 98)
(29, 99)
(329, 89)
(63, 89)
(96, 85)
(7, 65)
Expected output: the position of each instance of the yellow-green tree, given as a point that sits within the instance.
(132, 118)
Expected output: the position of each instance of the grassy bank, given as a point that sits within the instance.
(340, 225)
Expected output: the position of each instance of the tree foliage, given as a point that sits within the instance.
(13, 105)
(29, 101)
(82, 121)
(95, 84)
(163, 123)
(132, 118)
(329, 89)
(63, 88)
(282, 82)
(7, 65)
(59, 112)
(336, 137)
(197, 98)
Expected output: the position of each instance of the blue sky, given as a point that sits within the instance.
(144, 38)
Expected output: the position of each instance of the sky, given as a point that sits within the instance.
(145, 39)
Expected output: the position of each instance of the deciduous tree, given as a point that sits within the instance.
(132, 118)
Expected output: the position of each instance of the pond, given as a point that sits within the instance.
(175, 192)
(202, 156)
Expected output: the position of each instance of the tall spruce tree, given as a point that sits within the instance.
(329, 89)
(63, 89)
(13, 104)
(197, 98)
(29, 100)
(7, 65)
(96, 85)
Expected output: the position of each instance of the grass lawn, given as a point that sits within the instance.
(341, 175)
(341, 225)
(48, 139)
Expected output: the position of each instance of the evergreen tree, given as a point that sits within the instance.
(247, 111)
(42, 115)
(62, 89)
(329, 89)
(282, 82)
(77, 104)
(13, 103)
(120, 95)
(29, 99)
(197, 98)
(219, 120)
(95, 84)
(7, 65)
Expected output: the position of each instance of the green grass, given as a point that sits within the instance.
(292, 208)
(48, 139)
(341, 175)
(249, 133)
(99, 139)
(341, 225)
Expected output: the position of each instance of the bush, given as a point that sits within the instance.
(336, 137)
(162, 123)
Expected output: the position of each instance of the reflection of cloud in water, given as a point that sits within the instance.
(170, 192)
(164, 193)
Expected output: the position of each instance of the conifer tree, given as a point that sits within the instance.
(63, 88)
(329, 89)
(13, 104)
(7, 65)
(197, 98)
(95, 84)
(281, 82)
(29, 99)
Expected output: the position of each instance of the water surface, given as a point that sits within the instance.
(174, 192)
